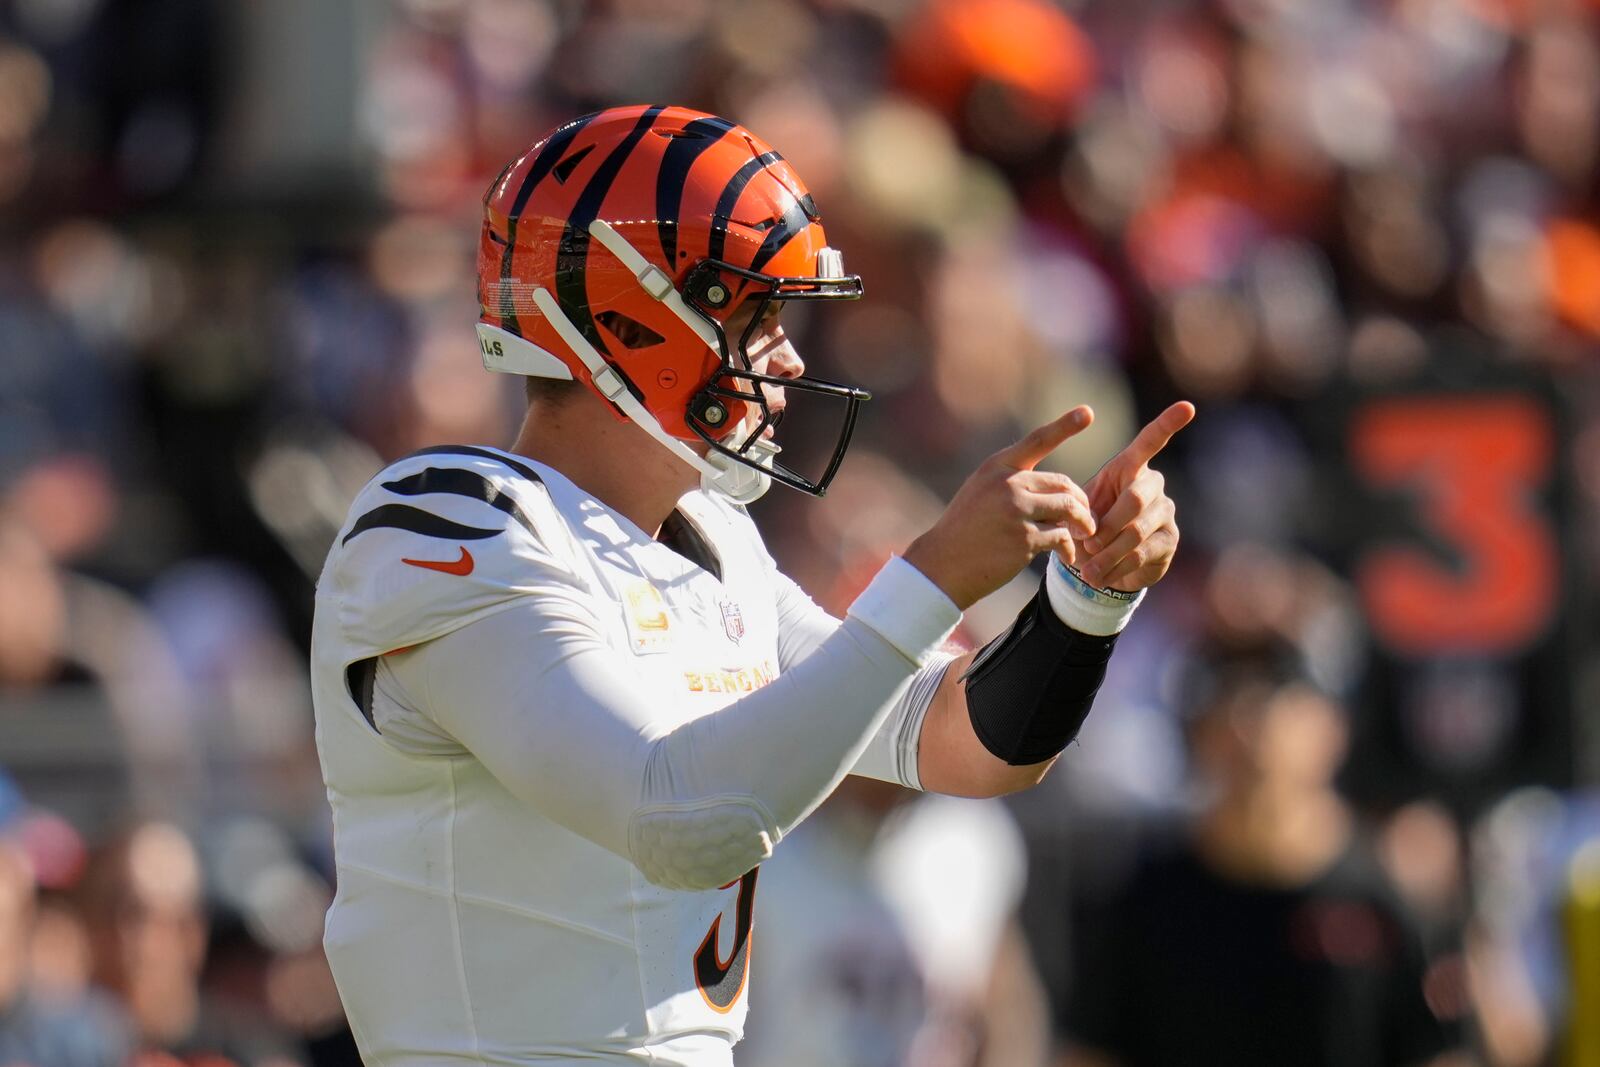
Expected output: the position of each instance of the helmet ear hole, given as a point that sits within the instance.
(631, 332)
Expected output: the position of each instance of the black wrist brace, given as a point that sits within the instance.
(1029, 690)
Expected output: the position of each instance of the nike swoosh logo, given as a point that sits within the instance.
(462, 566)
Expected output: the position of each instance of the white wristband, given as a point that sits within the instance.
(1088, 610)
(907, 610)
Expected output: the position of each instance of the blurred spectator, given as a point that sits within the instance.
(143, 899)
(887, 939)
(1536, 955)
(1269, 934)
(41, 1025)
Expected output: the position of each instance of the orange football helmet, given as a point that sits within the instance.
(615, 250)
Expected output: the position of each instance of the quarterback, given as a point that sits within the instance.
(566, 703)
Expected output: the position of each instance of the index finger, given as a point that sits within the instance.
(1026, 453)
(1156, 433)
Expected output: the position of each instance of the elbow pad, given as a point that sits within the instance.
(1029, 690)
(701, 845)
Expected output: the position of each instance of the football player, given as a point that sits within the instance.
(566, 703)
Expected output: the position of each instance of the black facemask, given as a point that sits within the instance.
(711, 286)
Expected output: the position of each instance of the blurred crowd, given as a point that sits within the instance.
(1336, 803)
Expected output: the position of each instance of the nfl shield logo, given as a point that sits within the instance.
(732, 621)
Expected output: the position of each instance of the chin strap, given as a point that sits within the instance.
(739, 482)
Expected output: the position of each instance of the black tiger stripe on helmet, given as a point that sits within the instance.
(688, 145)
(729, 198)
(549, 155)
(572, 259)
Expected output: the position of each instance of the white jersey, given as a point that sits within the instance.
(483, 914)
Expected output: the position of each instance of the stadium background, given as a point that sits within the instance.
(1364, 237)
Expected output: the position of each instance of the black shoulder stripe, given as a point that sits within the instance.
(406, 517)
(794, 220)
(686, 147)
(554, 148)
(482, 453)
(572, 259)
(460, 483)
(728, 199)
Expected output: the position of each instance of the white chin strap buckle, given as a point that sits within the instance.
(738, 482)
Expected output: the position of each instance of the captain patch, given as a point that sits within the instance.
(649, 624)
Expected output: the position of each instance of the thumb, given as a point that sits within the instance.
(1028, 452)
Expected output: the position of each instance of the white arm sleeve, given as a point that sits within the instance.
(540, 697)
(891, 754)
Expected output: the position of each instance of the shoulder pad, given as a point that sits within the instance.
(440, 538)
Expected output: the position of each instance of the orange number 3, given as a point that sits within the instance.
(1475, 463)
